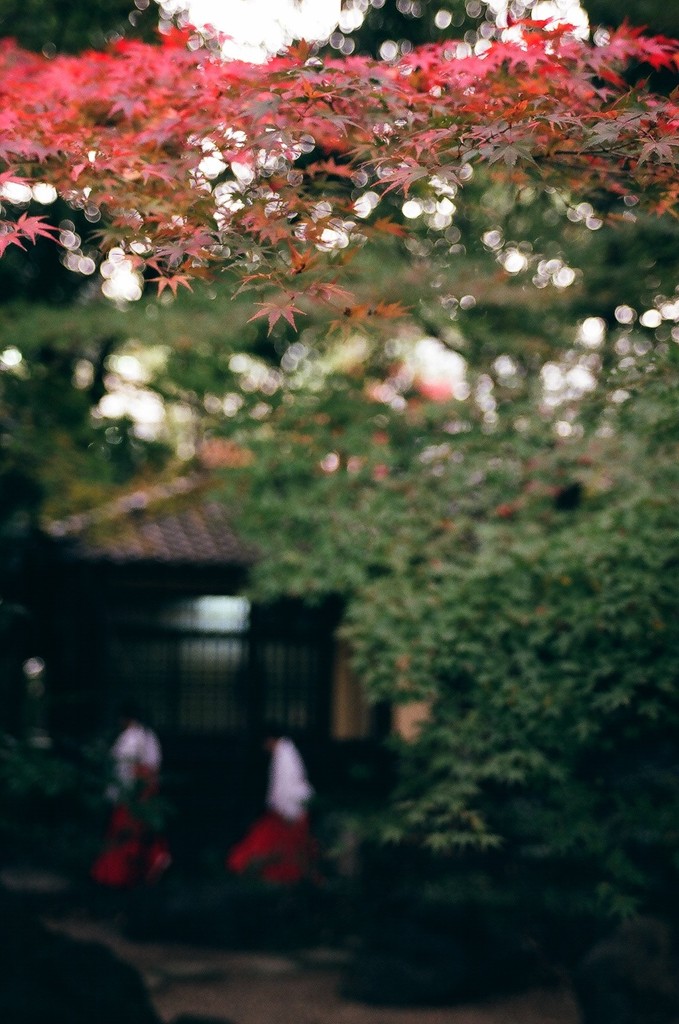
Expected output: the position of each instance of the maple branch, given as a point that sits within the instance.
(262, 176)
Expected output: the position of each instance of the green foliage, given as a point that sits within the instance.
(519, 581)
(525, 589)
(27, 771)
(655, 15)
(51, 803)
(153, 811)
(64, 26)
(552, 662)
(417, 22)
(411, 22)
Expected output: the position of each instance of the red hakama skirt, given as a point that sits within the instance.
(133, 854)
(275, 849)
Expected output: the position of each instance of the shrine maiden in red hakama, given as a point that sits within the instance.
(279, 846)
(134, 852)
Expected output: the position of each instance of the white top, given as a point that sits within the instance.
(136, 747)
(289, 789)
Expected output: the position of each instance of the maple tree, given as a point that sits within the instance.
(468, 580)
(191, 164)
(521, 587)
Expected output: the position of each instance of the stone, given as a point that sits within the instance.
(49, 978)
(192, 1018)
(631, 976)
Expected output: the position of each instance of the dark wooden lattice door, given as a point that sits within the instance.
(215, 668)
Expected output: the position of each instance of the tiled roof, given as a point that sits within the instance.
(199, 533)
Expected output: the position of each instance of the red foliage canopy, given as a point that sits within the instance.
(195, 162)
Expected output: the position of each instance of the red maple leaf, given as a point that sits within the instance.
(277, 310)
(172, 282)
(25, 227)
(331, 292)
(545, 108)
(35, 227)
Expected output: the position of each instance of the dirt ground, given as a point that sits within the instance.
(255, 988)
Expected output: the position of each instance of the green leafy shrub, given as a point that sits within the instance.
(51, 804)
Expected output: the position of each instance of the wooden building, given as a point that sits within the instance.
(147, 603)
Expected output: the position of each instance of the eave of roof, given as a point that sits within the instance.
(174, 524)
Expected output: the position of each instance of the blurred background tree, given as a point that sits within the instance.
(58, 26)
